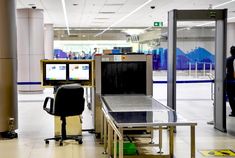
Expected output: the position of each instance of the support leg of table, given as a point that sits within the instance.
(105, 136)
(192, 141)
(102, 128)
(110, 139)
(152, 135)
(171, 142)
(160, 140)
(115, 146)
(121, 144)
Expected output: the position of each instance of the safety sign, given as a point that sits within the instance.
(218, 152)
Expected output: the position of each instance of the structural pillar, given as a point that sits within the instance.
(30, 48)
(48, 41)
(8, 65)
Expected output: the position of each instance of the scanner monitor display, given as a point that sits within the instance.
(79, 71)
(55, 71)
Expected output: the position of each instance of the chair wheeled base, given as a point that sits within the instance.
(77, 138)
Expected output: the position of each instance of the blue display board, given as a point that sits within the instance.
(199, 56)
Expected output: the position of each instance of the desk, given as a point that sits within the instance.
(122, 112)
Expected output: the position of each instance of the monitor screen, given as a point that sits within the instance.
(79, 71)
(55, 71)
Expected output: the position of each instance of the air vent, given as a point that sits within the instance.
(114, 4)
(106, 12)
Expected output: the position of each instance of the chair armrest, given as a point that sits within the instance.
(49, 110)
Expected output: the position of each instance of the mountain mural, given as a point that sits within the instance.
(199, 55)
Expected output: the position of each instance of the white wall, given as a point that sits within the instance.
(78, 46)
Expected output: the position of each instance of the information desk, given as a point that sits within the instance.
(125, 112)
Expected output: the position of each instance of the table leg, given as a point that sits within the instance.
(192, 141)
(115, 146)
(102, 127)
(160, 140)
(171, 142)
(105, 136)
(121, 144)
(110, 139)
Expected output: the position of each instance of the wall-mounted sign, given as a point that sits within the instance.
(158, 24)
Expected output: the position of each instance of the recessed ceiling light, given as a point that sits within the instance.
(75, 4)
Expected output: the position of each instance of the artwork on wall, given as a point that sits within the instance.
(199, 56)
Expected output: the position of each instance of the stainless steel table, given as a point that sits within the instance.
(124, 112)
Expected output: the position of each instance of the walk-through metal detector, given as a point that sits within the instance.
(220, 18)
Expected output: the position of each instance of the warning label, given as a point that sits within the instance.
(218, 152)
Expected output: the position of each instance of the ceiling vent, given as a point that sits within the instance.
(113, 4)
(106, 12)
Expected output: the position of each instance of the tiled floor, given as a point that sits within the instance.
(194, 103)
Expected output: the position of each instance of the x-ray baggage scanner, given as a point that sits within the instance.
(123, 74)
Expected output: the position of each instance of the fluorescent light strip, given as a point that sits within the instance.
(65, 16)
(219, 5)
(123, 18)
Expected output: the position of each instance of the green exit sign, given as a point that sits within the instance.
(158, 24)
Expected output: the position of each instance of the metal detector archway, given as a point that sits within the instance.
(220, 18)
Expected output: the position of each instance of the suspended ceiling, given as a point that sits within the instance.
(103, 13)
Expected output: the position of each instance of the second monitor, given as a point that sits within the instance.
(79, 72)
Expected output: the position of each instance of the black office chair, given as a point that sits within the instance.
(69, 101)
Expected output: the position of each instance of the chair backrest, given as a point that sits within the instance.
(69, 100)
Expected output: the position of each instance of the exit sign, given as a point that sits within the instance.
(158, 24)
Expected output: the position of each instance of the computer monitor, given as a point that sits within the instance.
(59, 72)
(79, 71)
(55, 71)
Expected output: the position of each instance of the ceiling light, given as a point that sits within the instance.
(65, 16)
(75, 4)
(123, 18)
